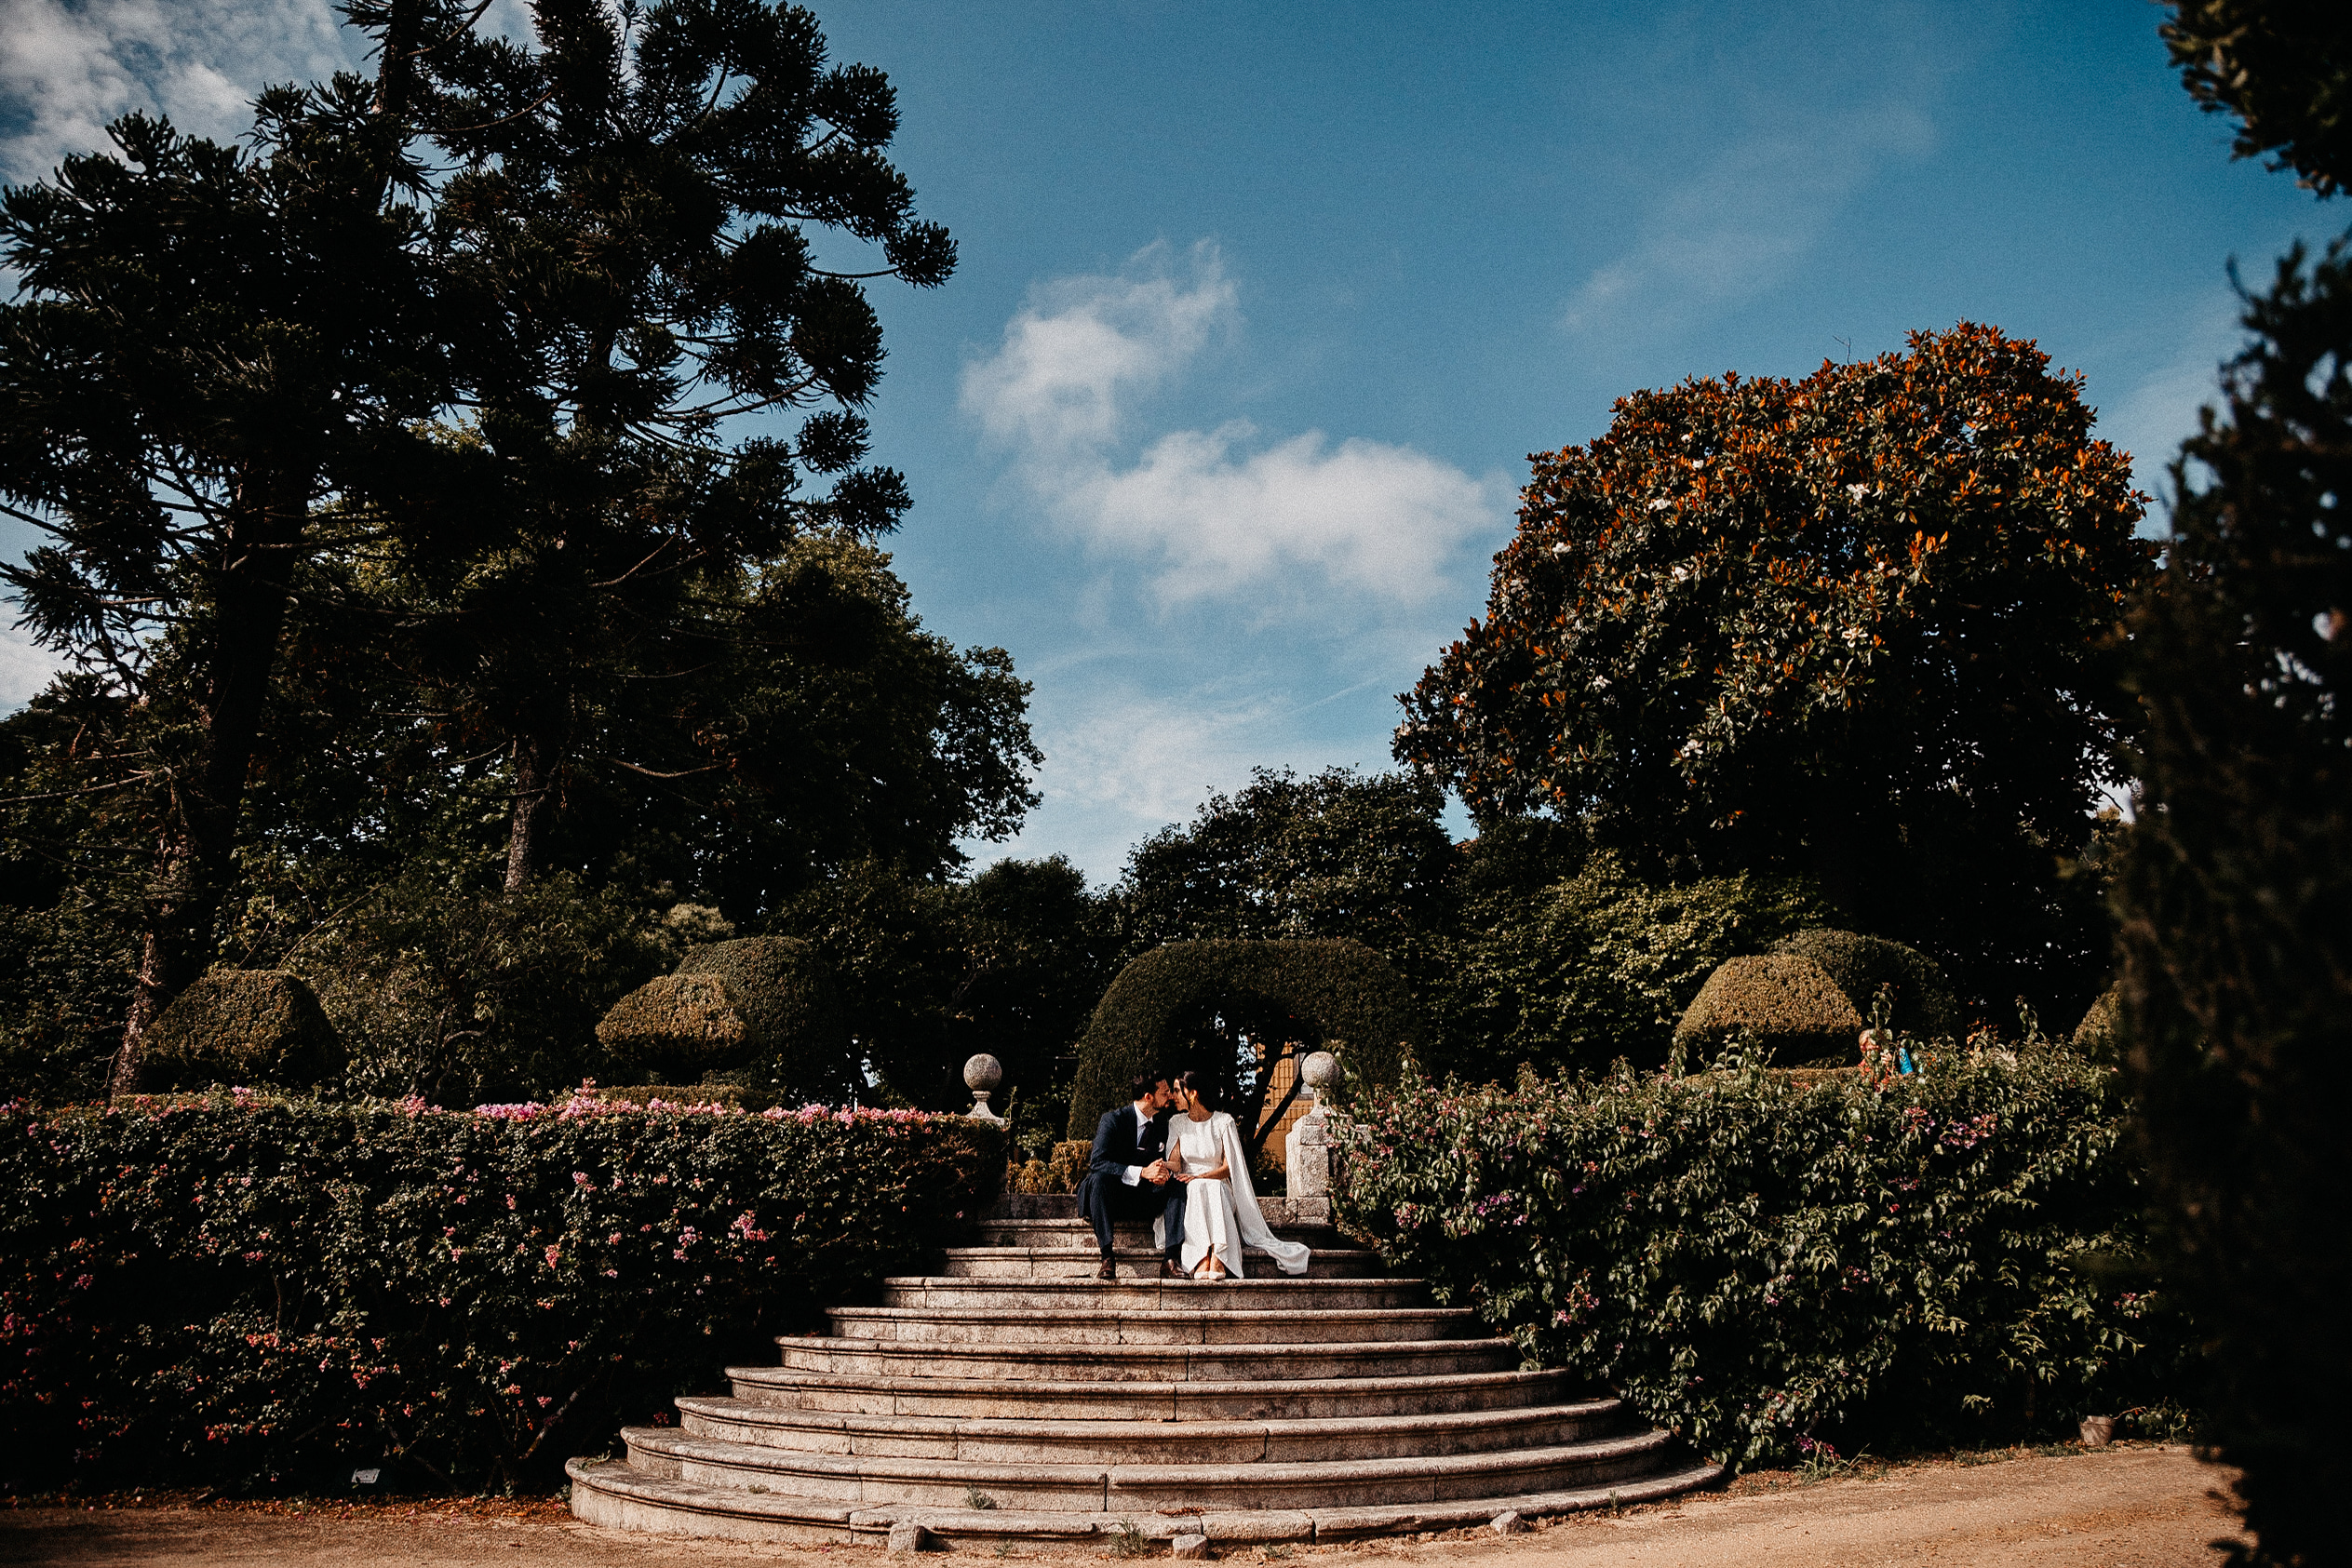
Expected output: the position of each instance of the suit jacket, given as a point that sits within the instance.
(1119, 1143)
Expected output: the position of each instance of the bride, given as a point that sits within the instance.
(1220, 1210)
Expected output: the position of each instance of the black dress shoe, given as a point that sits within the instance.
(1109, 1270)
(1168, 1269)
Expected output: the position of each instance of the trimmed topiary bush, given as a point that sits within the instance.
(241, 1027)
(1791, 1006)
(786, 991)
(1860, 964)
(762, 1009)
(1331, 990)
(681, 1025)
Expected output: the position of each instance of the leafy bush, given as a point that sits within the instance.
(460, 996)
(247, 1027)
(2096, 1037)
(238, 1289)
(682, 1025)
(1861, 964)
(1788, 1006)
(64, 986)
(1156, 1013)
(798, 1041)
(1750, 1262)
(1594, 967)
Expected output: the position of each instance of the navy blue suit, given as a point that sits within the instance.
(1105, 1197)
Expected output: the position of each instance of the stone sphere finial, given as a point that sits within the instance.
(1319, 1071)
(981, 1074)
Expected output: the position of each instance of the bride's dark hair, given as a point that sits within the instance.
(1195, 1084)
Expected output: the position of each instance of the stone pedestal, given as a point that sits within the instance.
(1306, 1155)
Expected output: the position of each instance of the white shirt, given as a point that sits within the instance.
(1133, 1173)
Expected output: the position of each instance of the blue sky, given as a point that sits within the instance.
(1262, 307)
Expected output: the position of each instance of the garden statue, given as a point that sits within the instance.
(981, 1074)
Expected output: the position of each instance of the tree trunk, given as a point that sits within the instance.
(534, 787)
(196, 853)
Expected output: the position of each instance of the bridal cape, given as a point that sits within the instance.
(1218, 1214)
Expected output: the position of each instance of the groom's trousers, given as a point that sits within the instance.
(1105, 1201)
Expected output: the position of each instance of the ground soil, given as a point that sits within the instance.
(2142, 1506)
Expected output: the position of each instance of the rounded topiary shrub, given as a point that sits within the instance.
(681, 1025)
(1859, 964)
(241, 1027)
(763, 1009)
(1791, 1006)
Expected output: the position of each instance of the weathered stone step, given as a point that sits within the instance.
(1138, 1261)
(1145, 1440)
(1036, 1398)
(1093, 1487)
(1025, 1358)
(1068, 1326)
(608, 1493)
(951, 1293)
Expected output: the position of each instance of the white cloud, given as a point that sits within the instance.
(24, 669)
(1214, 512)
(1743, 220)
(2152, 420)
(68, 69)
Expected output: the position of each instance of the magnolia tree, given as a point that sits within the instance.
(1855, 625)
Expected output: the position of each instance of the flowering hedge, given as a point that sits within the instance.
(1765, 1265)
(241, 1290)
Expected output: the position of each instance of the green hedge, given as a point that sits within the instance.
(1333, 990)
(242, 1292)
(764, 1006)
(1944, 1256)
(1788, 1006)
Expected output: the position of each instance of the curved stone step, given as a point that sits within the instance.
(1093, 1487)
(951, 1293)
(1342, 1398)
(608, 1493)
(1167, 1326)
(1032, 1359)
(1145, 1439)
(1135, 1263)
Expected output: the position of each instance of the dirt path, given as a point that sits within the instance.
(2142, 1507)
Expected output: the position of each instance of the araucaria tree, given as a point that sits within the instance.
(457, 355)
(1852, 625)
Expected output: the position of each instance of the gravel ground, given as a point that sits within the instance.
(2141, 1507)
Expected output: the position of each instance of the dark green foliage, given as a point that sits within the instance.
(799, 1043)
(2283, 68)
(1860, 965)
(264, 1292)
(1341, 854)
(2235, 991)
(1598, 966)
(1787, 1005)
(1008, 963)
(1190, 1004)
(1850, 627)
(1946, 1257)
(458, 997)
(64, 981)
(245, 1026)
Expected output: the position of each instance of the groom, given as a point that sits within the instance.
(1127, 1177)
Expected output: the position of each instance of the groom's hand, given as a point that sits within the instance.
(1156, 1173)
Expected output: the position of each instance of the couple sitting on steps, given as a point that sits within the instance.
(1168, 1156)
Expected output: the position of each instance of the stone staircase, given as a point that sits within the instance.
(1017, 1399)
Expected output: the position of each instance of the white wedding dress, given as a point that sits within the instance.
(1221, 1215)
